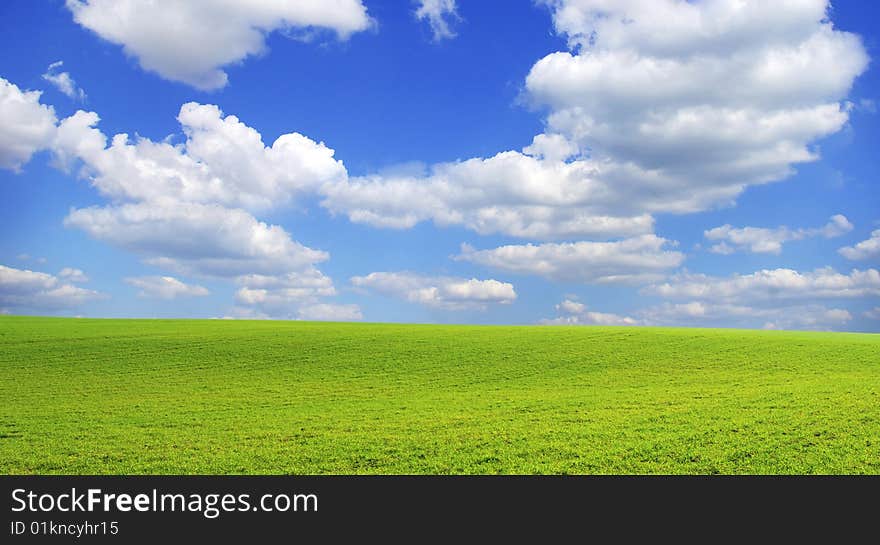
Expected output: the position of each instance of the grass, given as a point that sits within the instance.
(188, 396)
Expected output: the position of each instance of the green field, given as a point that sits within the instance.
(191, 396)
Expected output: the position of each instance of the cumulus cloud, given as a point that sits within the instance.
(553, 147)
(219, 241)
(770, 298)
(188, 208)
(439, 292)
(27, 125)
(165, 287)
(776, 285)
(696, 100)
(73, 275)
(763, 240)
(708, 314)
(439, 14)
(510, 193)
(192, 41)
(328, 312)
(222, 161)
(275, 274)
(27, 291)
(571, 307)
(631, 261)
(207, 188)
(63, 81)
(866, 249)
(283, 295)
(658, 107)
(819, 318)
(574, 313)
(160, 191)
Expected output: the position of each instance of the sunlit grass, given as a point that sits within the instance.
(178, 396)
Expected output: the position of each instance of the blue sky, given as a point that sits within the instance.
(573, 161)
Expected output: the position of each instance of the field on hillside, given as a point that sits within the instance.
(181, 396)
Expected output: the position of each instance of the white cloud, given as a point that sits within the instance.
(693, 101)
(217, 241)
(63, 81)
(777, 285)
(222, 161)
(866, 249)
(165, 287)
(192, 41)
(722, 248)
(27, 291)
(552, 147)
(694, 311)
(188, 208)
(773, 299)
(298, 285)
(439, 14)
(26, 126)
(283, 295)
(440, 292)
(326, 312)
(510, 193)
(707, 314)
(571, 307)
(873, 314)
(161, 191)
(183, 207)
(73, 275)
(660, 107)
(631, 261)
(574, 313)
(763, 240)
(819, 318)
